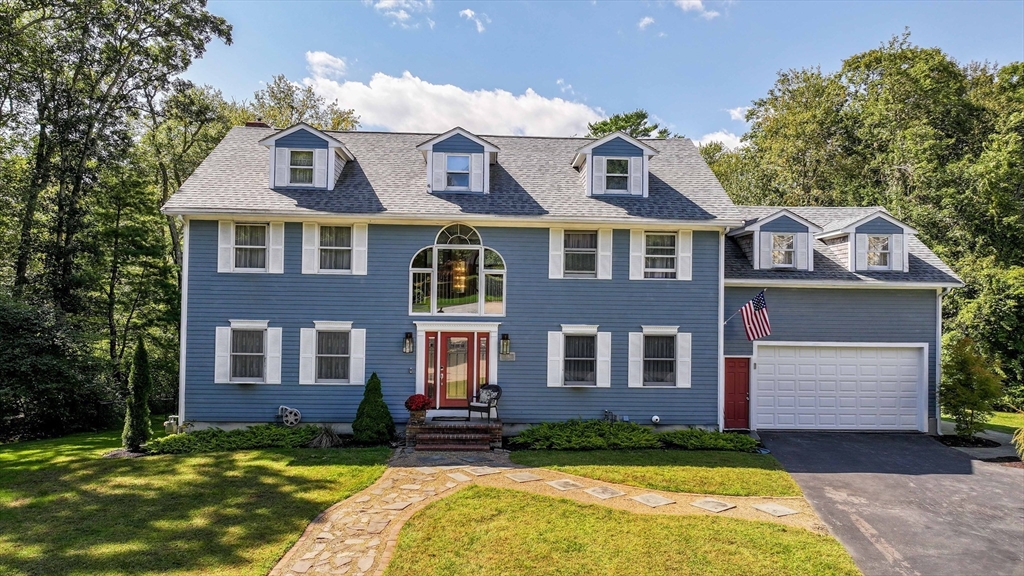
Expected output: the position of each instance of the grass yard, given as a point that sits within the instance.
(489, 531)
(697, 471)
(63, 510)
(1006, 422)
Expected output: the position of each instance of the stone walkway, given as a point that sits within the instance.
(357, 536)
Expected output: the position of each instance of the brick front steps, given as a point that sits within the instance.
(474, 435)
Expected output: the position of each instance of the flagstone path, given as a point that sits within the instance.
(357, 536)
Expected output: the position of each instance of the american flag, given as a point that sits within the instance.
(755, 318)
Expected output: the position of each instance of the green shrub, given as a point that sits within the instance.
(586, 435)
(252, 438)
(696, 439)
(969, 387)
(373, 424)
(136, 415)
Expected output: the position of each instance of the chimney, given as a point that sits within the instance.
(258, 123)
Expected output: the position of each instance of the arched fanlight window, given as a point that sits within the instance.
(457, 276)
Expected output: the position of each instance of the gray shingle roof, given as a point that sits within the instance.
(925, 266)
(533, 178)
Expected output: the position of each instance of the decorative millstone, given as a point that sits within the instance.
(564, 484)
(712, 505)
(483, 470)
(653, 500)
(776, 510)
(604, 492)
(459, 477)
(523, 477)
(397, 506)
(426, 470)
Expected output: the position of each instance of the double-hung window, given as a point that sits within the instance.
(335, 248)
(659, 360)
(580, 254)
(332, 357)
(457, 172)
(248, 355)
(616, 177)
(300, 167)
(251, 246)
(580, 360)
(878, 252)
(783, 250)
(659, 255)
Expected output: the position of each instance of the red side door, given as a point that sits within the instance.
(737, 393)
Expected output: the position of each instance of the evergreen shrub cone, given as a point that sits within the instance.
(373, 424)
(136, 416)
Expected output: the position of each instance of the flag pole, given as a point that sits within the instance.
(738, 311)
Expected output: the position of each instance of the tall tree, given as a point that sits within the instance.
(633, 123)
(283, 103)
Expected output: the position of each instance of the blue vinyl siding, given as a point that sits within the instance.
(879, 226)
(618, 147)
(784, 224)
(301, 139)
(378, 302)
(839, 315)
(457, 143)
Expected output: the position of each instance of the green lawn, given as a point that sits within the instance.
(1007, 422)
(63, 510)
(488, 531)
(697, 471)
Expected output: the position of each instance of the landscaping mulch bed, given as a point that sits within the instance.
(973, 442)
(122, 453)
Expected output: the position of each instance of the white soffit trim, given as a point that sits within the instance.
(849, 228)
(488, 147)
(332, 142)
(585, 329)
(331, 325)
(756, 225)
(426, 326)
(660, 330)
(249, 324)
(873, 284)
(583, 151)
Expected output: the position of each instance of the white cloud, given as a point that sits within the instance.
(738, 113)
(323, 65)
(645, 22)
(727, 138)
(400, 12)
(479, 19)
(410, 104)
(698, 7)
(662, 34)
(564, 86)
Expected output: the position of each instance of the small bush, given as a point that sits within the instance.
(136, 415)
(325, 437)
(373, 424)
(696, 439)
(969, 387)
(417, 402)
(252, 438)
(586, 435)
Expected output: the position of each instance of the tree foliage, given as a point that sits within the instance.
(373, 424)
(969, 386)
(283, 103)
(136, 416)
(633, 123)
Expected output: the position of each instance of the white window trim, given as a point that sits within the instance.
(775, 264)
(484, 272)
(643, 358)
(312, 169)
(628, 175)
(274, 248)
(887, 252)
(602, 356)
(266, 248)
(683, 357)
(675, 256)
(308, 354)
(565, 251)
(351, 249)
(468, 172)
(271, 353)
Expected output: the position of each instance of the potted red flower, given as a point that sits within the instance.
(417, 405)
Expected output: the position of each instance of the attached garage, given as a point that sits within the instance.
(839, 386)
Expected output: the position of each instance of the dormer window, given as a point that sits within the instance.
(300, 169)
(457, 167)
(616, 175)
(783, 250)
(304, 157)
(616, 164)
(878, 252)
(458, 161)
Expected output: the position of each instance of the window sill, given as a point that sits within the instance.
(331, 384)
(579, 386)
(249, 271)
(332, 271)
(566, 276)
(247, 382)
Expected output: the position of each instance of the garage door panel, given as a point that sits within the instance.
(838, 387)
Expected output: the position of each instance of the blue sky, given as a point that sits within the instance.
(547, 68)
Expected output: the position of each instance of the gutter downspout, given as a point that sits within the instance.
(938, 357)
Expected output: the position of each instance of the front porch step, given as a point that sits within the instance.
(453, 447)
(454, 435)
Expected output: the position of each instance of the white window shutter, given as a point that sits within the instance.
(636, 359)
(556, 366)
(862, 251)
(636, 254)
(438, 178)
(896, 260)
(556, 253)
(604, 254)
(599, 170)
(281, 167)
(357, 356)
(359, 249)
(636, 176)
(766, 251)
(307, 355)
(273, 356)
(320, 168)
(476, 172)
(310, 258)
(683, 345)
(604, 359)
(684, 255)
(275, 260)
(647, 176)
(800, 248)
(225, 245)
(222, 361)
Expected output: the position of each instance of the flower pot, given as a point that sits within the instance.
(417, 415)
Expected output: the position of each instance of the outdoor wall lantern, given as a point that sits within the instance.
(506, 345)
(407, 345)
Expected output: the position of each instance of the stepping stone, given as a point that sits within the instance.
(365, 563)
(653, 500)
(410, 486)
(472, 459)
(362, 499)
(776, 510)
(712, 505)
(564, 484)
(523, 477)
(353, 541)
(604, 492)
(377, 527)
(309, 556)
(449, 485)
(301, 567)
(426, 470)
(416, 498)
(397, 506)
(377, 491)
(452, 467)
(459, 477)
(325, 536)
(482, 471)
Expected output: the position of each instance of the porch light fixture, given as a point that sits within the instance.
(407, 345)
(506, 345)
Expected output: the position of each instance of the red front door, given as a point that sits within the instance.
(456, 369)
(737, 393)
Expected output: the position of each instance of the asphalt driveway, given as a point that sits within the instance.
(906, 504)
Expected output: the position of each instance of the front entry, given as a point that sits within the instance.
(737, 393)
(456, 366)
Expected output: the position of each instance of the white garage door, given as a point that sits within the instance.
(839, 388)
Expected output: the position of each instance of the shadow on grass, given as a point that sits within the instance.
(65, 510)
(653, 458)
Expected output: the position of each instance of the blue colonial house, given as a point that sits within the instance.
(580, 275)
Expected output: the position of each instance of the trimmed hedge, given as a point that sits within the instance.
(217, 440)
(604, 435)
(373, 425)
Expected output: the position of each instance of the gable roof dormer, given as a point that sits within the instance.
(780, 240)
(615, 164)
(458, 161)
(874, 242)
(303, 157)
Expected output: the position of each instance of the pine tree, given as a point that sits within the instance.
(136, 417)
(373, 423)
